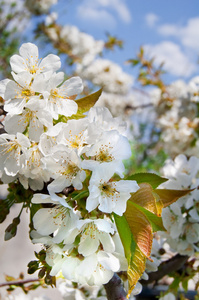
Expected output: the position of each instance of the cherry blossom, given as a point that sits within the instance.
(109, 195)
(28, 61)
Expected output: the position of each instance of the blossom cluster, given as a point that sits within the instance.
(13, 15)
(178, 119)
(84, 156)
(181, 218)
(39, 6)
(82, 45)
(84, 51)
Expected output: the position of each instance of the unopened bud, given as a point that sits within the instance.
(33, 266)
(42, 272)
(11, 230)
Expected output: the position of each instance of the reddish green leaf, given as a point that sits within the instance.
(140, 227)
(136, 259)
(155, 221)
(145, 198)
(168, 197)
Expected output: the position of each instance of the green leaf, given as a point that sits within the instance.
(134, 62)
(153, 179)
(125, 235)
(175, 284)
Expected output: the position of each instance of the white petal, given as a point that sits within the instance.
(44, 223)
(50, 62)
(108, 261)
(91, 202)
(17, 63)
(107, 242)
(29, 51)
(127, 186)
(70, 87)
(66, 107)
(104, 225)
(57, 185)
(88, 245)
(15, 123)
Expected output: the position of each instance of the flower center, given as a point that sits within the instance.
(107, 189)
(54, 94)
(104, 155)
(71, 170)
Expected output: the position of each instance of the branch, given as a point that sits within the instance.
(139, 106)
(166, 267)
(114, 289)
(19, 282)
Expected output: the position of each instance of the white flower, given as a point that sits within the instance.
(108, 195)
(80, 292)
(181, 246)
(65, 168)
(183, 170)
(82, 45)
(58, 94)
(191, 231)
(101, 118)
(12, 152)
(173, 220)
(111, 147)
(62, 223)
(51, 18)
(33, 173)
(102, 266)
(102, 72)
(40, 6)
(18, 93)
(29, 61)
(22, 91)
(35, 121)
(50, 138)
(69, 291)
(93, 233)
(75, 135)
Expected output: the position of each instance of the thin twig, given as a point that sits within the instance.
(19, 282)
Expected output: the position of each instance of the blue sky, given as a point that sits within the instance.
(168, 29)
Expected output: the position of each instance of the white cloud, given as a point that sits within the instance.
(102, 11)
(168, 30)
(188, 35)
(176, 63)
(151, 19)
(101, 16)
